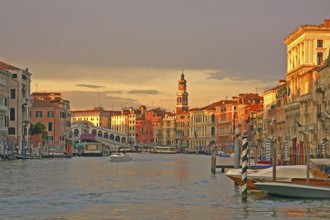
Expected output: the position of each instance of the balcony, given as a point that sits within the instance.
(4, 89)
(292, 106)
(305, 98)
(223, 122)
(3, 108)
(311, 128)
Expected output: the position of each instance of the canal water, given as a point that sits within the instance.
(152, 186)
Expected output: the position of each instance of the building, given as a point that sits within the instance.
(4, 96)
(306, 50)
(51, 110)
(97, 116)
(153, 124)
(120, 121)
(202, 128)
(19, 103)
(225, 115)
(169, 127)
(322, 96)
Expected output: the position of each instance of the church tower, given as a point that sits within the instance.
(182, 96)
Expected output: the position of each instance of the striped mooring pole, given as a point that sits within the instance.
(245, 143)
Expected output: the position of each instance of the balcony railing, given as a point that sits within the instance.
(3, 108)
(306, 97)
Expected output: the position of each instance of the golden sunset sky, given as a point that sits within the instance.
(115, 53)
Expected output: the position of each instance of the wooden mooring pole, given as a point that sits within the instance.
(214, 161)
(244, 166)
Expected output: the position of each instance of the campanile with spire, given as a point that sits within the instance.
(182, 95)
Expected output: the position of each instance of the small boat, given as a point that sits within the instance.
(164, 150)
(222, 154)
(292, 190)
(120, 157)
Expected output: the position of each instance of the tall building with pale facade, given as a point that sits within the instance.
(202, 128)
(307, 48)
(18, 103)
(4, 96)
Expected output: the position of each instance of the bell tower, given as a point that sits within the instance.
(182, 95)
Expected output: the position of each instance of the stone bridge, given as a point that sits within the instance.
(85, 130)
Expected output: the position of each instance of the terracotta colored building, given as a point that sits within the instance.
(54, 113)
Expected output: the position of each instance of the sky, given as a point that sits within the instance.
(126, 53)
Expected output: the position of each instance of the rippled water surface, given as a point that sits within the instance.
(152, 186)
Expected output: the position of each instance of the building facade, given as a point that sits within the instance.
(307, 48)
(97, 116)
(51, 110)
(4, 96)
(18, 103)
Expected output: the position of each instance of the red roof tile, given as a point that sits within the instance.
(5, 66)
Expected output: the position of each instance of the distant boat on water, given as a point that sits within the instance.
(164, 149)
(120, 157)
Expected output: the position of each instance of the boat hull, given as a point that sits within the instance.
(120, 158)
(295, 190)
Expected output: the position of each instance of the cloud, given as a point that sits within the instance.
(89, 86)
(224, 75)
(114, 92)
(143, 92)
(88, 100)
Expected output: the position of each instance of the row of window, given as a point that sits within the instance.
(50, 114)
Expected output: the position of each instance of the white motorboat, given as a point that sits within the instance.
(120, 157)
(302, 191)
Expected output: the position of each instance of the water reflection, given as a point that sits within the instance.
(149, 187)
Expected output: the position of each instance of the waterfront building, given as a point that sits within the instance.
(306, 50)
(149, 126)
(133, 116)
(18, 103)
(154, 119)
(4, 96)
(169, 127)
(202, 128)
(323, 108)
(182, 130)
(245, 104)
(120, 121)
(97, 116)
(225, 115)
(51, 110)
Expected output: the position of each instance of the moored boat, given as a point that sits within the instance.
(283, 174)
(293, 190)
